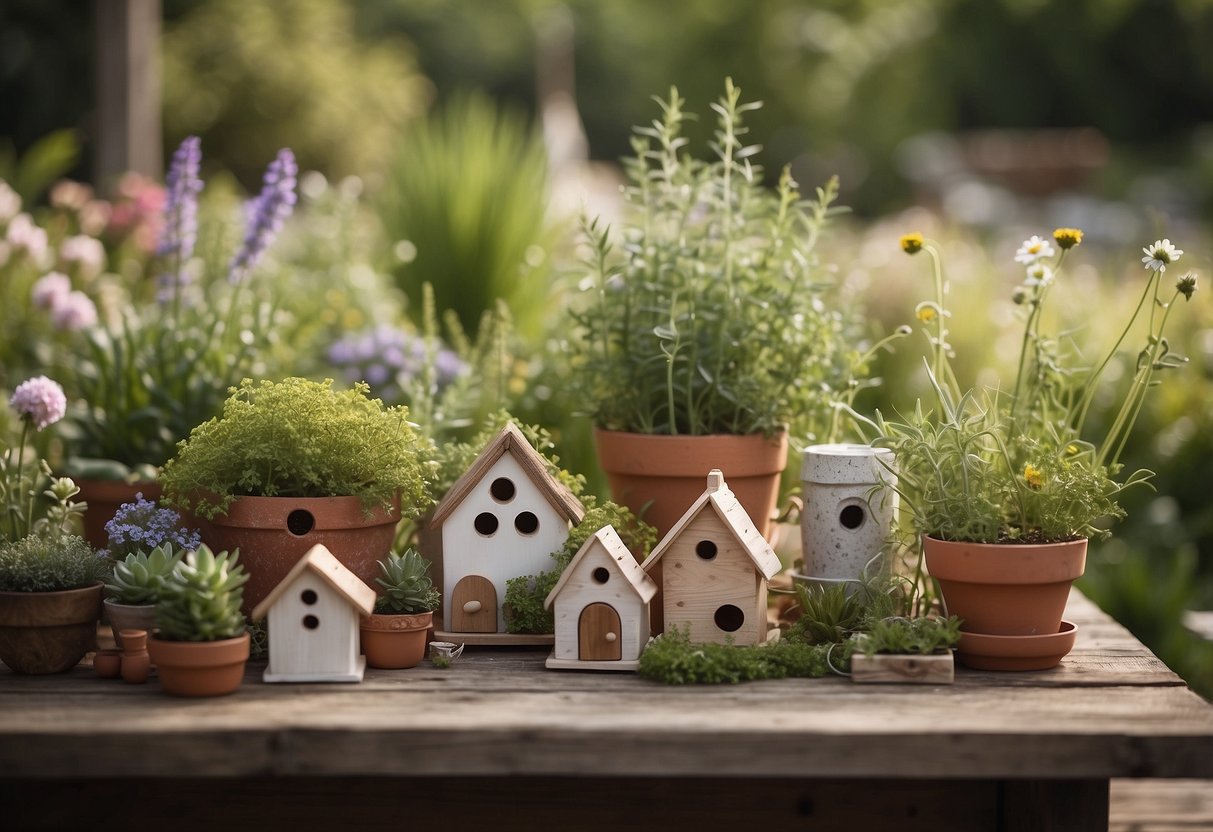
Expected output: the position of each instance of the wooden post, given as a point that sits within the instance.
(128, 90)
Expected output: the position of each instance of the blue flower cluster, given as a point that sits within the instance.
(141, 526)
(388, 359)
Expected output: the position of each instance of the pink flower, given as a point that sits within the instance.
(10, 202)
(50, 290)
(86, 252)
(39, 400)
(74, 312)
(25, 236)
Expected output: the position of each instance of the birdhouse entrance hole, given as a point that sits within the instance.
(852, 516)
(308, 596)
(502, 489)
(526, 523)
(300, 521)
(601, 575)
(311, 622)
(729, 618)
(706, 549)
(485, 523)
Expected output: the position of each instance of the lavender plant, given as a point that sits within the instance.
(142, 526)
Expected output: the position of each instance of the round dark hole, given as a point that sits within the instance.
(308, 596)
(729, 618)
(312, 622)
(486, 523)
(300, 521)
(706, 549)
(851, 517)
(601, 575)
(526, 523)
(502, 489)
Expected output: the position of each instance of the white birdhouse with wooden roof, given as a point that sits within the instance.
(601, 607)
(312, 615)
(714, 568)
(502, 519)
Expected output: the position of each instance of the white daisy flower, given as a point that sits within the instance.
(1160, 255)
(1039, 275)
(1033, 249)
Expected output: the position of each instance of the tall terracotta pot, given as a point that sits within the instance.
(48, 632)
(1011, 596)
(273, 533)
(666, 473)
(200, 668)
(104, 498)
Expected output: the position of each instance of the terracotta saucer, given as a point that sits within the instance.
(988, 652)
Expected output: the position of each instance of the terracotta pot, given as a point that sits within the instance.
(104, 498)
(129, 617)
(108, 663)
(667, 473)
(136, 664)
(200, 668)
(48, 632)
(273, 533)
(1010, 590)
(394, 642)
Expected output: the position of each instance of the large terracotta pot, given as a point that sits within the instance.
(667, 473)
(273, 533)
(200, 668)
(104, 498)
(1017, 591)
(394, 641)
(48, 632)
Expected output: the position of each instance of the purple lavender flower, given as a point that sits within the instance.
(73, 312)
(180, 231)
(40, 401)
(141, 527)
(267, 213)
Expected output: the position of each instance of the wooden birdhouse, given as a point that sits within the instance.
(714, 568)
(502, 519)
(313, 621)
(601, 605)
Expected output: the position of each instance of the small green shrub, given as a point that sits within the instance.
(671, 658)
(49, 564)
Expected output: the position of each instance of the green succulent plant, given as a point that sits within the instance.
(407, 589)
(200, 600)
(140, 576)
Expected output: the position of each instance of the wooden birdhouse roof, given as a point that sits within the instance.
(722, 500)
(610, 541)
(322, 562)
(512, 441)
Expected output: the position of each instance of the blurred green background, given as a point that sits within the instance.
(453, 143)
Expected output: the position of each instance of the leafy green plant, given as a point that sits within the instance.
(301, 438)
(714, 319)
(139, 577)
(200, 600)
(407, 589)
(829, 614)
(49, 563)
(671, 658)
(1018, 466)
(908, 636)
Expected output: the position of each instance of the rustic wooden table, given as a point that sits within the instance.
(498, 741)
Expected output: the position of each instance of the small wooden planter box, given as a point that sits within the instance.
(936, 669)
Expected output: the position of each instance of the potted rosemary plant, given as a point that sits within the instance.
(394, 636)
(292, 464)
(201, 645)
(704, 337)
(1005, 486)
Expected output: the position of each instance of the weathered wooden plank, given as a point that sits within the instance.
(1161, 805)
(914, 670)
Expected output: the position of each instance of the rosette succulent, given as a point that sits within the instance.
(200, 600)
(407, 588)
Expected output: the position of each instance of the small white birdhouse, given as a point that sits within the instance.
(714, 570)
(601, 607)
(502, 519)
(313, 621)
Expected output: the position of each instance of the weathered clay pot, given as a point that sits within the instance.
(666, 473)
(104, 498)
(200, 668)
(108, 664)
(394, 642)
(1013, 590)
(273, 533)
(129, 617)
(48, 632)
(136, 663)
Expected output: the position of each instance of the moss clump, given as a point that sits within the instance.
(671, 658)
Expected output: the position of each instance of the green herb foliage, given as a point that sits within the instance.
(200, 600)
(38, 563)
(671, 658)
(909, 636)
(139, 577)
(407, 589)
(714, 318)
(300, 438)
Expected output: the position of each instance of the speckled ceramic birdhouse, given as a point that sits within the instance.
(848, 509)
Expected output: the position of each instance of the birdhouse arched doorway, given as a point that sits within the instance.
(474, 605)
(598, 632)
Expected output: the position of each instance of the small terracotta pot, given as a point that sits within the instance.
(1006, 589)
(394, 642)
(136, 664)
(108, 663)
(667, 473)
(104, 498)
(48, 632)
(129, 617)
(273, 533)
(200, 668)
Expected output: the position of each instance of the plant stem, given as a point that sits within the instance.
(1084, 404)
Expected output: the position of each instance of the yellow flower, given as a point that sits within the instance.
(1033, 476)
(1071, 449)
(911, 243)
(926, 312)
(1067, 237)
